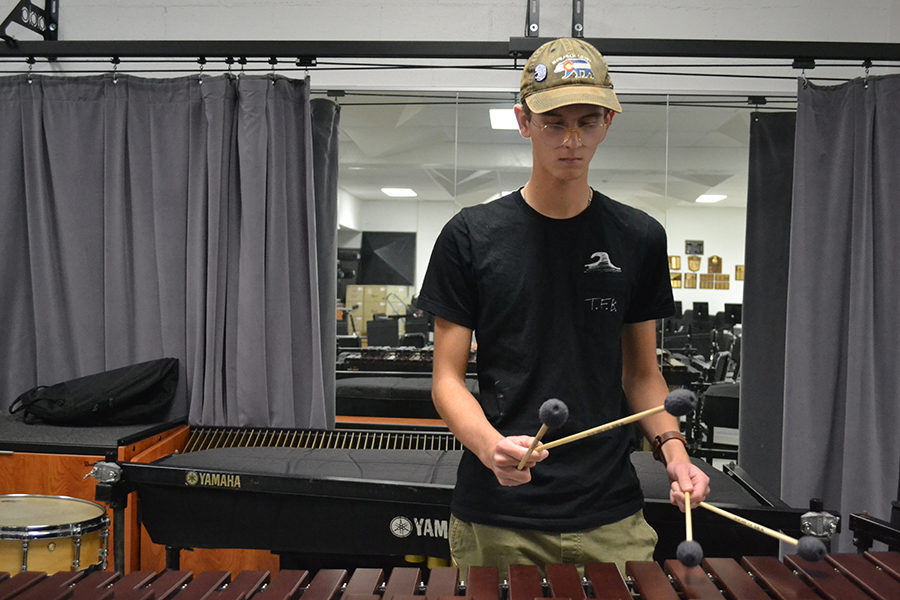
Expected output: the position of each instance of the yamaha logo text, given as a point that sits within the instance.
(403, 527)
(223, 480)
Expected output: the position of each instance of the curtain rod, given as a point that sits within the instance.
(516, 47)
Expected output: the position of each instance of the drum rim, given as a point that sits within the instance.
(62, 530)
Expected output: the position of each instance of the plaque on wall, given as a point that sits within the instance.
(690, 280)
(674, 263)
(739, 272)
(694, 263)
(707, 281)
(693, 247)
(715, 264)
(722, 281)
(675, 279)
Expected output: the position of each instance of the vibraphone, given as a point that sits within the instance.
(839, 577)
(367, 493)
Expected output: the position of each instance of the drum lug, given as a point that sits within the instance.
(24, 555)
(104, 545)
(76, 540)
(105, 472)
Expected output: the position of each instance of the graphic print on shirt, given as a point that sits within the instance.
(602, 285)
(601, 263)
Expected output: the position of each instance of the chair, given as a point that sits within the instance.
(719, 406)
(736, 357)
(720, 321)
(720, 366)
(722, 339)
(702, 343)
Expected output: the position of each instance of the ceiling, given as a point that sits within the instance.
(661, 152)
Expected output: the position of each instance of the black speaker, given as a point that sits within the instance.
(382, 332)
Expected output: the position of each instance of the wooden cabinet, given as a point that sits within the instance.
(54, 461)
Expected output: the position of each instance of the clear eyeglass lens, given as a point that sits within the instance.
(557, 134)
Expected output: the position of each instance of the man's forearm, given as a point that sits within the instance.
(464, 417)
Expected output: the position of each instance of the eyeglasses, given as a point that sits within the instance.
(557, 135)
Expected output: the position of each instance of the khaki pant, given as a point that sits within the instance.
(473, 544)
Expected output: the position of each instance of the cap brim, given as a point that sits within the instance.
(573, 94)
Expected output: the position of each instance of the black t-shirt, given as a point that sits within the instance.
(547, 299)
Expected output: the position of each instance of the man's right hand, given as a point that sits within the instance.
(505, 456)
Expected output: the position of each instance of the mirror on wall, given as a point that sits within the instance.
(682, 159)
(663, 152)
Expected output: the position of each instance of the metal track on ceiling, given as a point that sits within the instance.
(515, 48)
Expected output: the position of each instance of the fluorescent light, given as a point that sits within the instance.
(710, 198)
(503, 118)
(400, 192)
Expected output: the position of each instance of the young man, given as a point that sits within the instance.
(562, 287)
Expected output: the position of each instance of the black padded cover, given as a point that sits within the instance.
(397, 466)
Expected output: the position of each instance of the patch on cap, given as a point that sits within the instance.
(540, 72)
(573, 68)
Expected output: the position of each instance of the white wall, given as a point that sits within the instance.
(431, 219)
(722, 232)
(348, 211)
(832, 20)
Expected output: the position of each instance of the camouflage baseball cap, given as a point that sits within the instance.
(567, 71)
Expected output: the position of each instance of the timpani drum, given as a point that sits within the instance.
(51, 533)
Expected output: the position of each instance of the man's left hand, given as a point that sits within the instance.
(687, 477)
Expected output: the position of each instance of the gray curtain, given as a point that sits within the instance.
(325, 120)
(168, 217)
(767, 247)
(842, 384)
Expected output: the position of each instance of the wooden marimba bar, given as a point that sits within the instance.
(839, 577)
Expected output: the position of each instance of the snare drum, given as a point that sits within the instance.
(51, 533)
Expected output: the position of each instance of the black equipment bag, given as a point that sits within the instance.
(138, 393)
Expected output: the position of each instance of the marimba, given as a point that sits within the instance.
(839, 577)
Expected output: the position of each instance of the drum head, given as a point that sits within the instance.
(36, 513)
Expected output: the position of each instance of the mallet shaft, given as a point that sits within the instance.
(605, 427)
(750, 524)
(688, 527)
(534, 443)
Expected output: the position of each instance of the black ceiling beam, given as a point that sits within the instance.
(749, 49)
(259, 49)
(517, 47)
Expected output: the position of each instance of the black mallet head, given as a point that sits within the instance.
(680, 402)
(689, 553)
(810, 548)
(553, 413)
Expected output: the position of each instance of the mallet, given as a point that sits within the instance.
(678, 403)
(689, 552)
(808, 547)
(553, 413)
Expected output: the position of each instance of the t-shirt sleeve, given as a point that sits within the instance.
(652, 297)
(448, 290)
